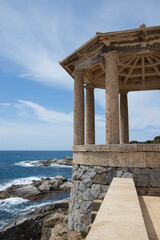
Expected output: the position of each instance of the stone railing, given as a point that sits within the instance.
(118, 155)
(120, 215)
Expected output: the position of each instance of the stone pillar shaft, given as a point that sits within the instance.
(90, 118)
(124, 118)
(112, 98)
(78, 135)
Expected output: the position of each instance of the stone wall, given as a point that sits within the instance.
(92, 182)
(118, 155)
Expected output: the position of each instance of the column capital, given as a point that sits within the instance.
(89, 86)
(111, 54)
(78, 73)
(123, 92)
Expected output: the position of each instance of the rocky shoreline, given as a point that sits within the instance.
(67, 161)
(37, 189)
(29, 226)
(49, 223)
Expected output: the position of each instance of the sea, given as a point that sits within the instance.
(15, 170)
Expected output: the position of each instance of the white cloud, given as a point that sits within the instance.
(144, 109)
(37, 136)
(36, 35)
(47, 129)
(144, 113)
(46, 115)
(32, 39)
(100, 97)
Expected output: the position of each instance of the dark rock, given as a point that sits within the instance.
(148, 191)
(155, 177)
(100, 178)
(30, 226)
(128, 175)
(66, 186)
(68, 161)
(25, 191)
(111, 174)
(142, 180)
(38, 189)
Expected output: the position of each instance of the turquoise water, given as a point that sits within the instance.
(14, 170)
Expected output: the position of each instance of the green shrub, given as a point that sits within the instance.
(157, 139)
(83, 234)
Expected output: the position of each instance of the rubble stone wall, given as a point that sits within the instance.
(94, 168)
(92, 182)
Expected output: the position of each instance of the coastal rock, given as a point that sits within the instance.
(54, 223)
(37, 189)
(30, 226)
(66, 186)
(29, 192)
(60, 230)
(67, 161)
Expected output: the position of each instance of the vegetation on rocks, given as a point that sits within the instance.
(154, 141)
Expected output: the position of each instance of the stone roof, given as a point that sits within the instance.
(139, 58)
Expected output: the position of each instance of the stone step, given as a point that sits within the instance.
(96, 205)
(94, 214)
(150, 209)
(90, 226)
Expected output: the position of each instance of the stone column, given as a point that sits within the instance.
(90, 118)
(112, 98)
(78, 120)
(124, 118)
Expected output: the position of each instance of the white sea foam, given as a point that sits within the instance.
(60, 166)
(31, 164)
(43, 204)
(19, 181)
(26, 163)
(12, 201)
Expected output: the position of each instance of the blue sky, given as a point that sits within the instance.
(36, 94)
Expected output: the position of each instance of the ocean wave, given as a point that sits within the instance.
(12, 208)
(31, 164)
(19, 181)
(39, 205)
(12, 201)
(26, 163)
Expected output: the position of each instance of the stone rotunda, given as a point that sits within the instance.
(118, 62)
